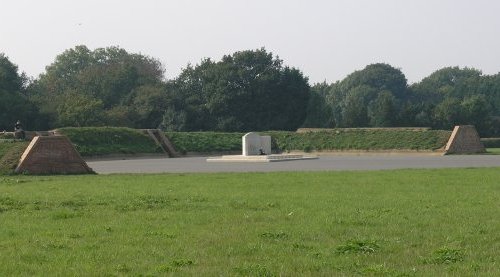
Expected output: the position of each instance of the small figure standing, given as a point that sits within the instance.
(19, 131)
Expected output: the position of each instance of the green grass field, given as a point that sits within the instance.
(384, 223)
(495, 151)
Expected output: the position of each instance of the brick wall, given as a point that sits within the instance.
(464, 140)
(52, 155)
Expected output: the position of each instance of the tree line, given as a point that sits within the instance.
(245, 91)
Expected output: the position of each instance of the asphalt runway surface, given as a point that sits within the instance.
(324, 163)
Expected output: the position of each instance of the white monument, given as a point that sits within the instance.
(257, 148)
(255, 144)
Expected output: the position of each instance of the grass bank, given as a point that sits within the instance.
(6, 136)
(10, 153)
(92, 141)
(362, 139)
(387, 223)
(205, 141)
(333, 140)
(495, 151)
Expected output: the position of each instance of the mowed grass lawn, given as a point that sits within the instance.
(390, 223)
(495, 151)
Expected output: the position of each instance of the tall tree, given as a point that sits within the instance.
(110, 78)
(369, 97)
(459, 96)
(248, 90)
(319, 113)
(13, 104)
(383, 111)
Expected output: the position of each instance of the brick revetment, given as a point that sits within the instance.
(464, 140)
(52, 155)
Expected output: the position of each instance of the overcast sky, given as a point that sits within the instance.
(326, 39)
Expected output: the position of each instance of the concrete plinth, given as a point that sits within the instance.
(261, 159)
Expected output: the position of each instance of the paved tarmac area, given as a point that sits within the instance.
(324, 163)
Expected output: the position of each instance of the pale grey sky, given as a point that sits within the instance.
(325, 39)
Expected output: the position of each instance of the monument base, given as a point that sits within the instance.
(261, 158)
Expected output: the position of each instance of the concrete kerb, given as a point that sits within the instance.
(261, 159)
(439, 152)
(210, 155)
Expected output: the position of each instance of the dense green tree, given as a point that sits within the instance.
(79, 110)
(378, 96)
(186, 109)
(319, 113)
(458, 96)
(149, 103)
(355, 107)
(379, 76)
(383, 111)
(448, 113)
(447, 82)
(13, 104)
(369, 97)
(248, 90)
(477, 111)
(10, 80)
(108, 78)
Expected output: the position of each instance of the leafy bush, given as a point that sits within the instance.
(109, 140)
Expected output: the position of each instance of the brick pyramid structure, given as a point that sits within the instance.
(52, 155)
(464, 140)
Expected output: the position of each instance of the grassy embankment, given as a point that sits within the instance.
(205, 141)
(93, 141)
(335, 140)
(90, 141)
(494, 151)
(386, 223)
(10, 152)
